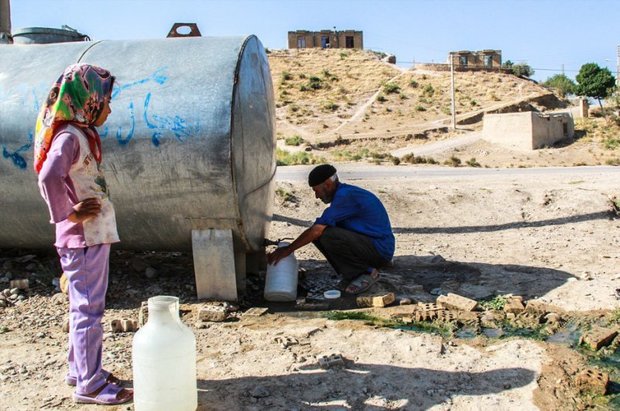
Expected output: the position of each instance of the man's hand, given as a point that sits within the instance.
(278, 254)
(85, 210)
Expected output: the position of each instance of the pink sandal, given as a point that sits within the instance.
(108, 395)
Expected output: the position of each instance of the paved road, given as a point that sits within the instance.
(372, 172)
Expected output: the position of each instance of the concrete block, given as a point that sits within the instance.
(457, 302)
(375, 300)
(467, 316)
(212, 313)
(214, 264)
(599, 337)
(492, 319)
(592, 381)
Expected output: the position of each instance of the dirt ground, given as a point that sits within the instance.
(546, 236)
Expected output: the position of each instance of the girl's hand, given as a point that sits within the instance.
(85, 210)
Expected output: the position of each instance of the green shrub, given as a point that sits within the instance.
(453, 161)
(315, 83)
(391, 88)
(381, 98)
(611, 143)
(330, 106)
(286, 76)
(429, 90)
(295, 140)
(413, 84)
(285, 158)
(419, 108)
(473, 163)
(343, 55)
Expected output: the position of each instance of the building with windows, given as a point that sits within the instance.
(484, 59)
(339, 39)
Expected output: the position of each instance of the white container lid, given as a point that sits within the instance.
(331, 294)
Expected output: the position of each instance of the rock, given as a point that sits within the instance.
(255, 312)
(150, 272)
(332, 360)
(212, 313)
(138, 264)
(405, 301)
(259, 392)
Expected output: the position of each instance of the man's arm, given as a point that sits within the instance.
(304, 238)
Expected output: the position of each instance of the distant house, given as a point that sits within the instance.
(484, 59)
(335, 39)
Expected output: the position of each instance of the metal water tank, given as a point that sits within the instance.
(189, 144)
(47, 35)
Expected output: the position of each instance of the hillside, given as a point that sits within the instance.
(348, 105)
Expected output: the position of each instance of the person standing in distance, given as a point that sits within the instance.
(354, 233)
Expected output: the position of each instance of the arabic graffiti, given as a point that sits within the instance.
(159, 125)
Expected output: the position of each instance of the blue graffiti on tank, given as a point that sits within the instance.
(17, 158)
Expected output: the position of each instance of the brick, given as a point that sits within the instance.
(467, 316)
(492, 319)
(255, 312)
(128, 325)
(514, 305)
(332, 360)
(116, 326)
(212, 313)
(22, 284)
(428, 307)
(599, 337)
(541, 307)
(457, 302)
(375, 300)
(592, 381)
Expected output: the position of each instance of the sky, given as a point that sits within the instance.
(551, 36)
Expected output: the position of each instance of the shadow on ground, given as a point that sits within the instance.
(368, 387)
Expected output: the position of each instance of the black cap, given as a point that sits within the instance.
(320, 173)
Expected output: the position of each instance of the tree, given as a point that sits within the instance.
(594, 81)
(521, 69)
(562, 84)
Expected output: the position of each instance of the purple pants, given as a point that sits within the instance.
(87, 272)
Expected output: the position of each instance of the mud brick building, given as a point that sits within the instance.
(488, 59)
(339, 39)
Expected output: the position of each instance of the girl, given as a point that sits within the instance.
(67, 157)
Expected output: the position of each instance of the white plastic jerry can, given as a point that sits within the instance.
(164, 360)
(281, 279)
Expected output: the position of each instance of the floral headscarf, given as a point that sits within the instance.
(77, 97)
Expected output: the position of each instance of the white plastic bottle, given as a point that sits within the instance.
(281, 279)
(164, 360)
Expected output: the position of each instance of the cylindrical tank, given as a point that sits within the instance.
(164, 360)
(46, 35)
(189, 144)
(281, 279)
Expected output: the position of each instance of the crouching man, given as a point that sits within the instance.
(354, 233)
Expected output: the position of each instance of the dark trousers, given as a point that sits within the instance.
(350, 253)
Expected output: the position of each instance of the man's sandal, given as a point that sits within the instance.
(363, 283)
(109, 378)
(108, 394)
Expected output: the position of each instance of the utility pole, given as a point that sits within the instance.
(453, 105)
(5, 22)
(618, 67)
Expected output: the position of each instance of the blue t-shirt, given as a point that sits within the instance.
(359, 210)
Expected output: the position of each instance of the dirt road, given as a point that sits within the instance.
(549, 237)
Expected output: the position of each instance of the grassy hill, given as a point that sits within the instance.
(347, 105)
